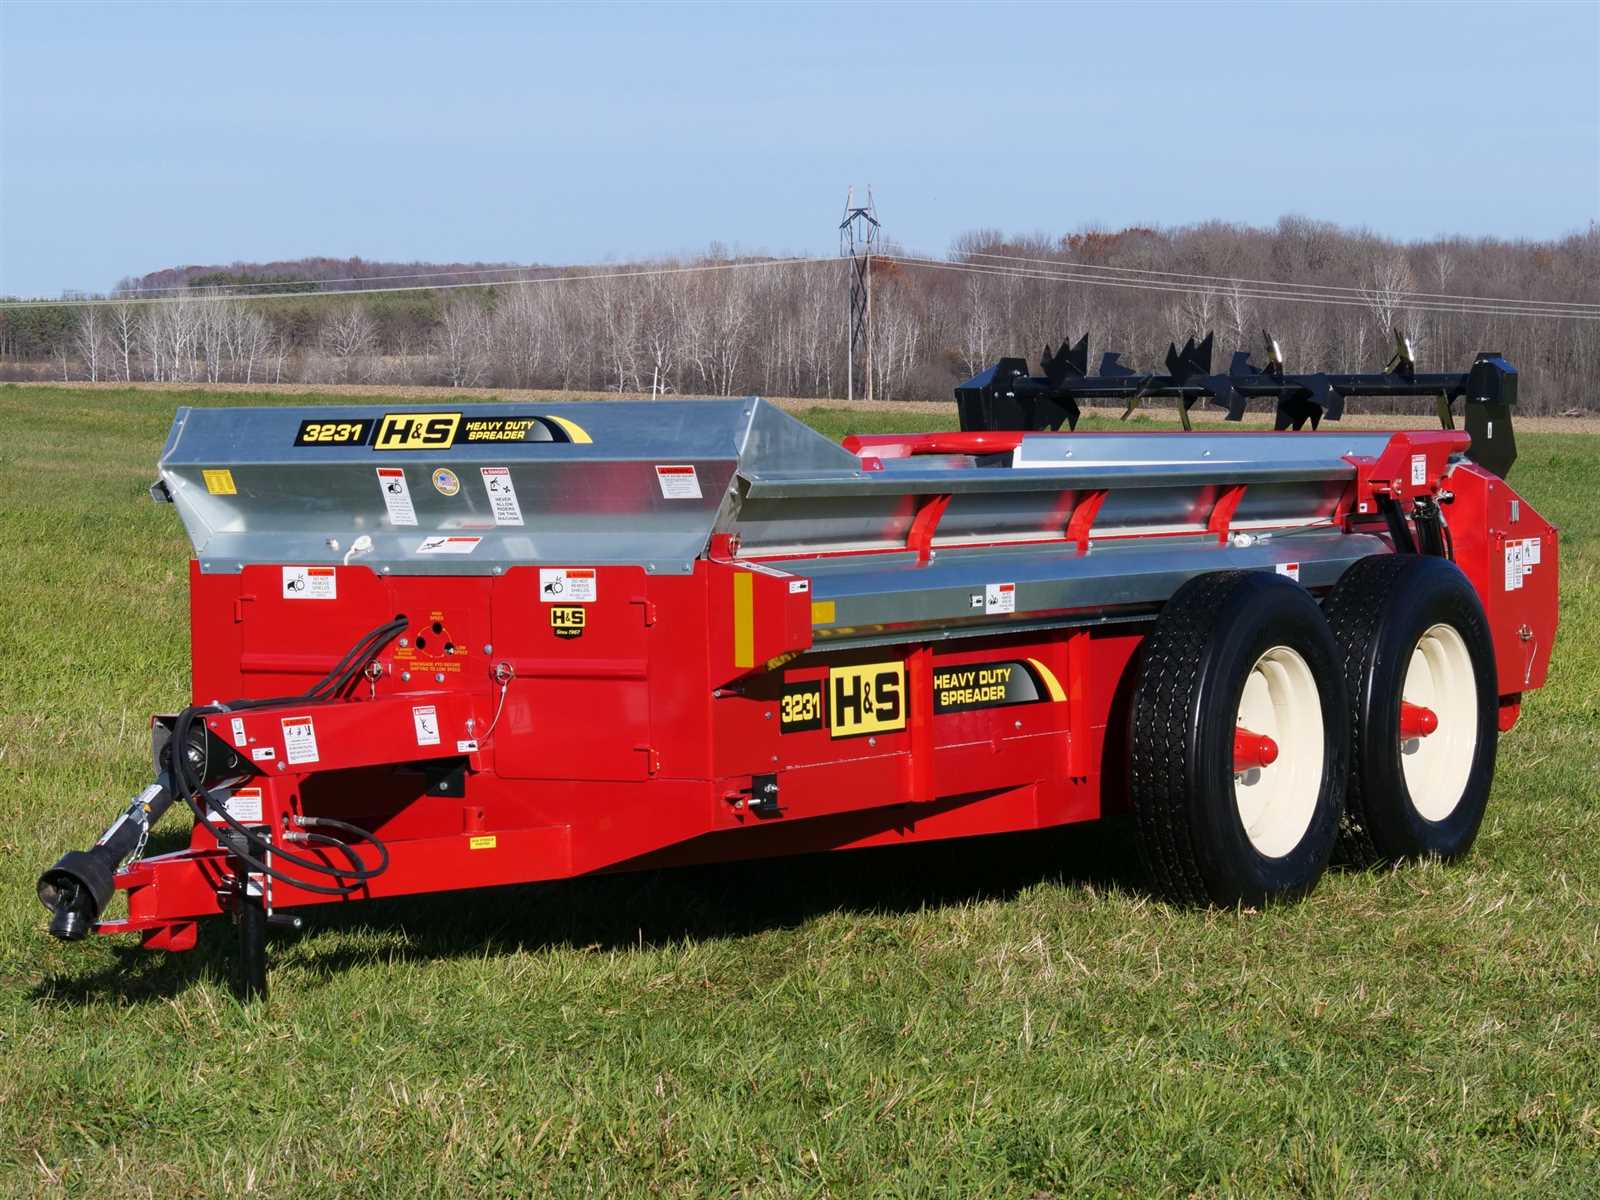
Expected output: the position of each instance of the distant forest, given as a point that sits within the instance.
(723, 325)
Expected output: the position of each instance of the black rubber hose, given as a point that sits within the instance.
(192, 786)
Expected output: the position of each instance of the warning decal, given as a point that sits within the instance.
(396, 495)
(1521, 558)
(244, 804)
(299, 740)
(1419, 470)
(502, 495)
(678, 483)
(310, 583)
(1292, 570)
(999, 597)
(426, 720)
(448, 545)
(572, 585)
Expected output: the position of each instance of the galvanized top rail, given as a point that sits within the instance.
(474, 489)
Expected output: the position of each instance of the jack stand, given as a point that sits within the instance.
(251, 914)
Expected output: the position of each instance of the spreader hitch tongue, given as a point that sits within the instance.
(77, 889)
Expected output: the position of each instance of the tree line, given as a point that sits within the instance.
(719, 325)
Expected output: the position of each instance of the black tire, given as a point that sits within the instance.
(1192, 673)
(1379, 611)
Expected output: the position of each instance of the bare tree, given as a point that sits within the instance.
(124, 321)
(349, 339)
(89, 340)
(459, 343)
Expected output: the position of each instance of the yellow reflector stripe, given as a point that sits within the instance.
(744, 625)
(1051, 684)
(822, 612)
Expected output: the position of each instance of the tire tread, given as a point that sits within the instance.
(1158, 779)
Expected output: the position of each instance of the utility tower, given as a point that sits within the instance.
(858, 238)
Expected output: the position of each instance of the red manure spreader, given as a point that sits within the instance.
(458, 646)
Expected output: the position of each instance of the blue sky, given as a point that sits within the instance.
(138, 136)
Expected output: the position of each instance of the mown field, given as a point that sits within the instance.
(1015, 1017)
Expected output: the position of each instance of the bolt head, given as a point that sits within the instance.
(438, 676)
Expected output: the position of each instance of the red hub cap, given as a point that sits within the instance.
(1252, 750)
(1416, 721)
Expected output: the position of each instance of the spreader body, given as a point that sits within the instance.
(647, 634)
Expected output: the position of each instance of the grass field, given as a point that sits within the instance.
(1014, 1017)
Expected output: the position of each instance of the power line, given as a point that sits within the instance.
(202, 294)
(997, 271)
(1230, 281)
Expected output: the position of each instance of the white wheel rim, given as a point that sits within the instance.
(1440, 677)
(1276, 802)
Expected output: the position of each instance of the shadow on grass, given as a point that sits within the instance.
(643, 910)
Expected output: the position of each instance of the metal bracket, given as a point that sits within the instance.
(763, 793)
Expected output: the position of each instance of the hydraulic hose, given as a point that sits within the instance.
(77, 889)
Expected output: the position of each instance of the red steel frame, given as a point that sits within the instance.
(641, 742)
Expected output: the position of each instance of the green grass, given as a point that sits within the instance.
(1014, 1017)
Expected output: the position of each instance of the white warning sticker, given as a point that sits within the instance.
(1419, 470)
(467, 746)
(999, 597)
(796, 586)
(1292, 570)
(299, 740)
(239, 738)
(396, 495)
(502, 495)
(571, 585)
(448, 545)
(263, 753)
(1522, 556)
(1516, 566)
(310, 583)
(678, 483)
(244, 804)
(426, 720)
